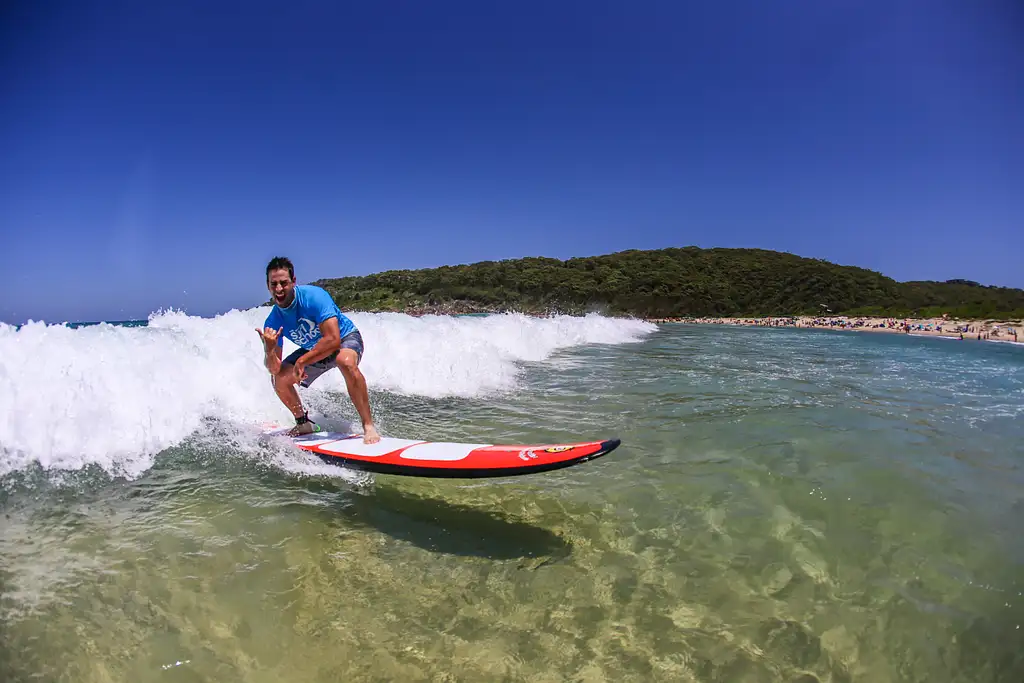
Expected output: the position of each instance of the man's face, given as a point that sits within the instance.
(281, 286)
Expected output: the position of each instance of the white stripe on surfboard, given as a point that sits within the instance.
(441, 451)
(355, 446)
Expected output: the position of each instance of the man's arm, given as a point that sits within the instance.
(330, 341)
(271, 347)
(272, 358)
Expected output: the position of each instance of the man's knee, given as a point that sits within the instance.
(348, 361)
(286, 375)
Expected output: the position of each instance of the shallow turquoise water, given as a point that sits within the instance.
(787, 505)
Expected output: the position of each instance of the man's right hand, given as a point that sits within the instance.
(269, 337)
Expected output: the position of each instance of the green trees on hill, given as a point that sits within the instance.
(677, 282)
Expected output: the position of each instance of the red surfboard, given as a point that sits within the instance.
(413, 458)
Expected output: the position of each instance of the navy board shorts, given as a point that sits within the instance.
(353, 340)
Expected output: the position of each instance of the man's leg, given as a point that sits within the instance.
(284, 385)
(348, 363)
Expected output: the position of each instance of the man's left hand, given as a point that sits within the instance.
(300, 372)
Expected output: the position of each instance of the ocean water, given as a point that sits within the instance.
(786, 505)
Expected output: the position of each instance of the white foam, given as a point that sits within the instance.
(440, 356)
(116, 396)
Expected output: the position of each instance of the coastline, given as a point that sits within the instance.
(953, 328)
(975, 329)
(1011, 331)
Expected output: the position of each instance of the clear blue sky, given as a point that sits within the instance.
(158, 154)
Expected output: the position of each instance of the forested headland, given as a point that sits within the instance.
(674, 282)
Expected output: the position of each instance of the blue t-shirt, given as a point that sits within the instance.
(301, 321)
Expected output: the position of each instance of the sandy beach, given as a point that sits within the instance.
(978, 330)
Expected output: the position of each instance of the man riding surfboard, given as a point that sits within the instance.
(326, 338)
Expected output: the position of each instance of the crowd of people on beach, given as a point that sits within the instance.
(972, 329)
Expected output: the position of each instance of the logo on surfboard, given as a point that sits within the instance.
(531, 453)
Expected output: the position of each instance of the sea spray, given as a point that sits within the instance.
(116, 396)
(438, 356)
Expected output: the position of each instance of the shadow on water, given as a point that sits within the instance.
(442, 527)
(432, 523)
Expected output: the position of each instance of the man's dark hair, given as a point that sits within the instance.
(279, 262)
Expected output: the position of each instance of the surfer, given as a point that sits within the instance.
(310, 318)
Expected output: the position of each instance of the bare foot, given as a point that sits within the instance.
(370, 434)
